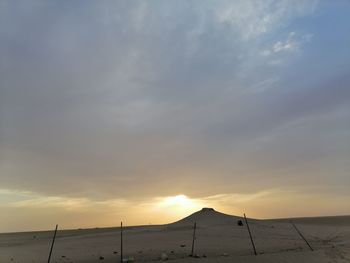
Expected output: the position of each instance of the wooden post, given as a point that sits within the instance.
(53, 242)
(121, 241)
(301, 235)
(193, 238)
(250, 234)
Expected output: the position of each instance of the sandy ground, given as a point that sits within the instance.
(218, 239)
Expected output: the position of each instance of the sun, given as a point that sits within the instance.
(178, 204)
(178, 200)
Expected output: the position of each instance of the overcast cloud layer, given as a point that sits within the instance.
(138, 99)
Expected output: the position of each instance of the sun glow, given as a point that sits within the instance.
(177, 205)
(178, 200)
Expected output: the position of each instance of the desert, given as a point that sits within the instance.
(180, 131)
(218, 238)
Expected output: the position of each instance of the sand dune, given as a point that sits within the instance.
(208, 217)
(218, 239)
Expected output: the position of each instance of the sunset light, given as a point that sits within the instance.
(164, 122)
(171, 106)
(178, 205)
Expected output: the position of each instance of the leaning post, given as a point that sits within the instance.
(301, 235)
(250, 234)
(53, 242)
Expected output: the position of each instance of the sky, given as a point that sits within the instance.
(146, 111)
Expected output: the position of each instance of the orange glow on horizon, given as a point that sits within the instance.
(177, 206)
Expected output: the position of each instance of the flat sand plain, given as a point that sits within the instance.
(218, 239)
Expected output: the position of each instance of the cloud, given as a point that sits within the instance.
(291, 43)
(42, 211)
(132, 100)
(276, 54)
(255, 18)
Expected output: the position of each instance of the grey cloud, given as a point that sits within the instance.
(124, 98)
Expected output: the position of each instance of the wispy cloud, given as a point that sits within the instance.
(125, 101)
(276, 53)
(254, 18)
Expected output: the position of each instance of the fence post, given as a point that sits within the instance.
(121, 241)
(250, 234)
(193, 238)
(53, 242)
(301, 235)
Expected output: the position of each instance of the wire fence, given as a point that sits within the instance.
(194, 237)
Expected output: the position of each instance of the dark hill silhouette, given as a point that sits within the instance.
(207, 217)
